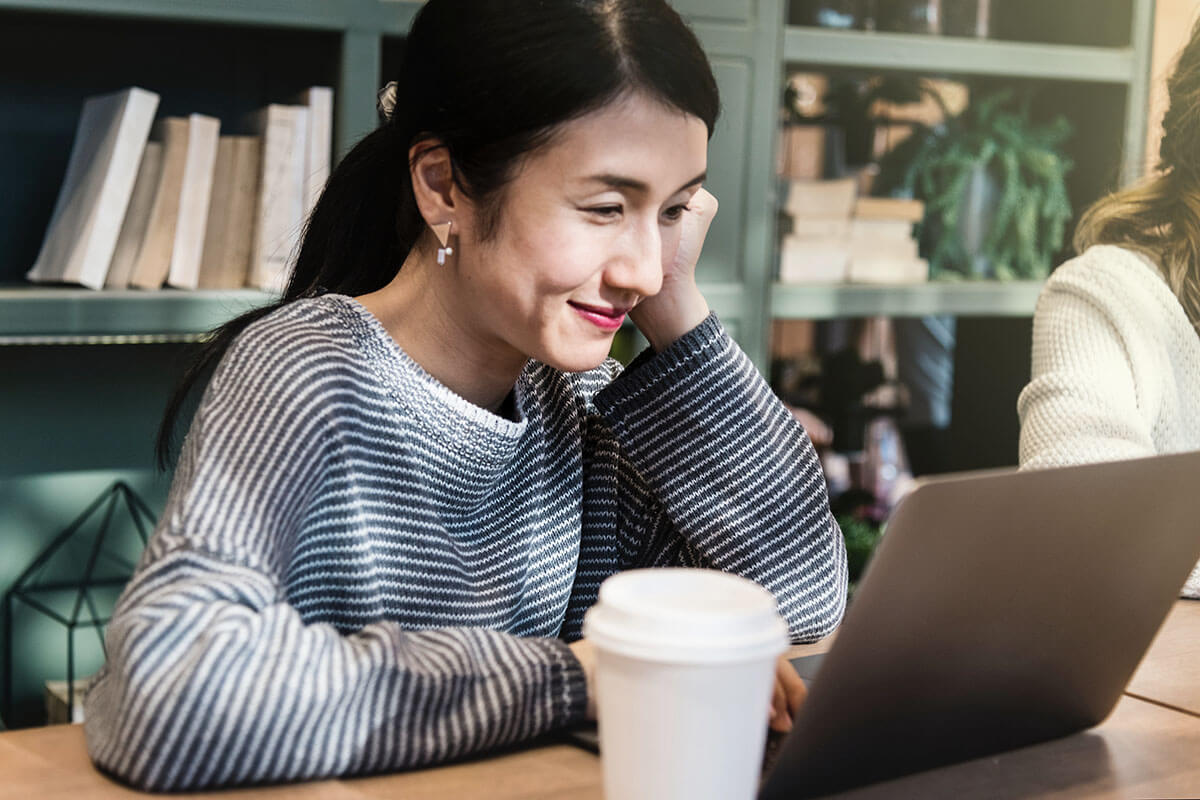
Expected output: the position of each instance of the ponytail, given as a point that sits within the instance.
(358, 235)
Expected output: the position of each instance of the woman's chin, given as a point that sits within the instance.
(581, 360)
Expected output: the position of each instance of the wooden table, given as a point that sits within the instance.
(1170, 672)
(51, 763)
(1149, 747)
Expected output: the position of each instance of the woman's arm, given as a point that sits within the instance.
(214, 679)
(1082, 403)
(715, 472)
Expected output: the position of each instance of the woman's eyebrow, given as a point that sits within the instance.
(634, 185)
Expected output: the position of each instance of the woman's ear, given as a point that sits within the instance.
(433, 181)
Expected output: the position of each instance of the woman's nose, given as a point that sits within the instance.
(638, 265)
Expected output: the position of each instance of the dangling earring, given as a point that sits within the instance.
(442, 231)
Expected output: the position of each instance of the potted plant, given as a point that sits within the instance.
(994, 188)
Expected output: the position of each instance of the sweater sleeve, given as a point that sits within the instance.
(1082, 402)
(213, 679)
(716, 473)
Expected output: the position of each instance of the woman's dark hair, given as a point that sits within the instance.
(490, 80)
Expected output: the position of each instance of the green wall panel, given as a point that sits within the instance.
(33, 509)
(76, 408)
(720, 10)
(727, 157)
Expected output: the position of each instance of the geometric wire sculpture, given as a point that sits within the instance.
(30, 589)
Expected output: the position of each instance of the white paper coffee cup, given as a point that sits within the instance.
(685, 668)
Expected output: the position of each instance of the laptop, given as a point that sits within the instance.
(1000, 609)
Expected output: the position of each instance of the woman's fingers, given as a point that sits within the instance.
(704, 205)
(793, 685)
(788, 696)
(780, 719)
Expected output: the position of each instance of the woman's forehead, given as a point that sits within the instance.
(634, 140)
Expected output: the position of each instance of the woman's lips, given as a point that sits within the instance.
(604, 318)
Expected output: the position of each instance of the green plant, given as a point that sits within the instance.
(861, 537)
(1027, 166)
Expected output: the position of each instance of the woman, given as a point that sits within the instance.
(403, 487)
(1116, 348)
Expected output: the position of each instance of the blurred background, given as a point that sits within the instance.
(896, 181)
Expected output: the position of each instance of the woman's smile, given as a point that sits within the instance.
(606, 318)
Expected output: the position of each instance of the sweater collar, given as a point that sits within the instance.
(452, 419)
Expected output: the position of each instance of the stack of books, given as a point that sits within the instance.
(839, 237)
(173, 202)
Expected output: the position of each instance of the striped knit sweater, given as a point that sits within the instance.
(359, 571)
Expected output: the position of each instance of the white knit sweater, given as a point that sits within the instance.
(1116, 368)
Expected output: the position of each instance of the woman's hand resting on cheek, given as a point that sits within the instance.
(786, 698)
(679, 306)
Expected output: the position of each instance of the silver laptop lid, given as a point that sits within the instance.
(1000, 609)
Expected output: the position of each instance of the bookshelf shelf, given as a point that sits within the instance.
(64, 315)
(923, 53)
(360, 15)
(966, 298)
(30, 315)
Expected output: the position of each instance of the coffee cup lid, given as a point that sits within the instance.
(685, 615)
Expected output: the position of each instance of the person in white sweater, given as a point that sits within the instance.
(1116, 335)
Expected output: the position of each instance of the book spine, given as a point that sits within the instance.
(320, 141)
(154, 256)
(137, 216)
(203, 133)
(137, 117)
(281, 208)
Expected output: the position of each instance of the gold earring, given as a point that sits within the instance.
(442, 231)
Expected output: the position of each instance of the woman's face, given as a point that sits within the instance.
(585, 229)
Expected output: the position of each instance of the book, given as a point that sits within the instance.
(821, 227)
(882, 248)
(802, 152)
(194, 195)
(880, 230)
(279, 214)
(319, 101)
(833, 198)
(893, 208)
(154, 255)
(813, 260)
(137, 217)
(229, 236)
(81, 237)
(884, 269)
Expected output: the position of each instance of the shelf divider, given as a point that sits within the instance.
(45, 315)
(959, 298)
(48, 315)
(957, 55)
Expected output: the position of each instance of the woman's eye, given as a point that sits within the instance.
(606, 212)
(675, 213)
